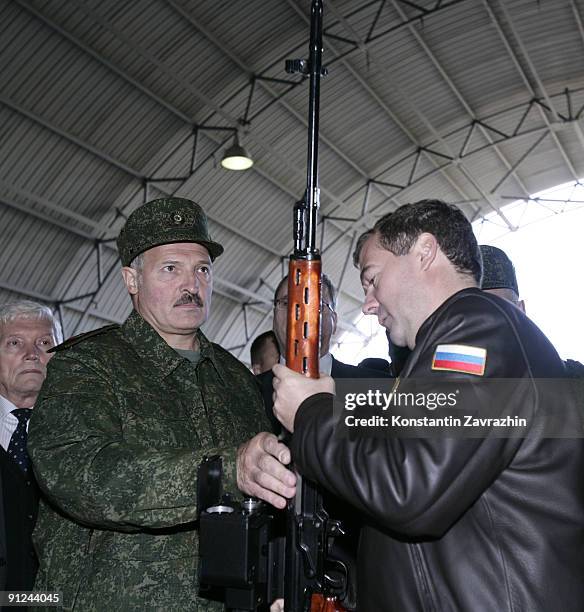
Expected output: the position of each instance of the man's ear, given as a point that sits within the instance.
(334, 323)
(521, 304)
(426, 250)
(130, 276)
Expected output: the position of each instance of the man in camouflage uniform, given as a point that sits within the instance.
(126, 416)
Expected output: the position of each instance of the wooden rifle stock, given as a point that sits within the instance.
(302, 349)
(306, 527)
(320, 603)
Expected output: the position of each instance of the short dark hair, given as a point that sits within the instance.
(257, 346)
(398, 231)
(326, 282)
(359, 245)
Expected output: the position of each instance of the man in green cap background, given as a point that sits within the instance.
(499, 278)
(126, 416)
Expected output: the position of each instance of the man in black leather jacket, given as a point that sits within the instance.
(453, 523)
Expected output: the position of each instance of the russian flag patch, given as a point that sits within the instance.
(460, 358)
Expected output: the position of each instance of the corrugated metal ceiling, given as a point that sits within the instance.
(101, 98)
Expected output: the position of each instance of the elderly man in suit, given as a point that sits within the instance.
(27, 331)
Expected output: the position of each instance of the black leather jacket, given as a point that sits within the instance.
(460, 524)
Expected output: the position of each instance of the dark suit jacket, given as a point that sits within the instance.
(20, 497)
(3, 551)
(344, 548)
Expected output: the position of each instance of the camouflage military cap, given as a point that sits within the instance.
(165, 221)
(498, 270)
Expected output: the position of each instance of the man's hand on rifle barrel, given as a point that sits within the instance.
(291, 389)
(261, 470)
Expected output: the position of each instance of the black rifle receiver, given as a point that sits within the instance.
(241, 546)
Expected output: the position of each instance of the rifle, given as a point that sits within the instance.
(308, 587)
(241, 545)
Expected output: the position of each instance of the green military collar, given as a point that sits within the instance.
(208, 352)
(156, 352)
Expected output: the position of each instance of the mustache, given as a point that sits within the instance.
(190, 298)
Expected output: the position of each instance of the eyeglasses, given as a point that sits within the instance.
(282, 304)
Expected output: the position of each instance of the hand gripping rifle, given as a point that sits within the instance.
(309, 586)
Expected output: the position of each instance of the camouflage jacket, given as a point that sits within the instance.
(119, 429)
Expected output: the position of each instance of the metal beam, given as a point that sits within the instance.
(196, 92)
(46, 218)
(57, 208)
(102, 60)
(49, 299)
(364, 174)
(339, 201)
(135, 174)
(183, 81)
(382, 68)
(577, 19)
(469, 111)
(70, 137)
(525, 78)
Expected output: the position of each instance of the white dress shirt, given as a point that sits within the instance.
(8, 421)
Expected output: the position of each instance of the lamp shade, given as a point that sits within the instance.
(236, 157)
